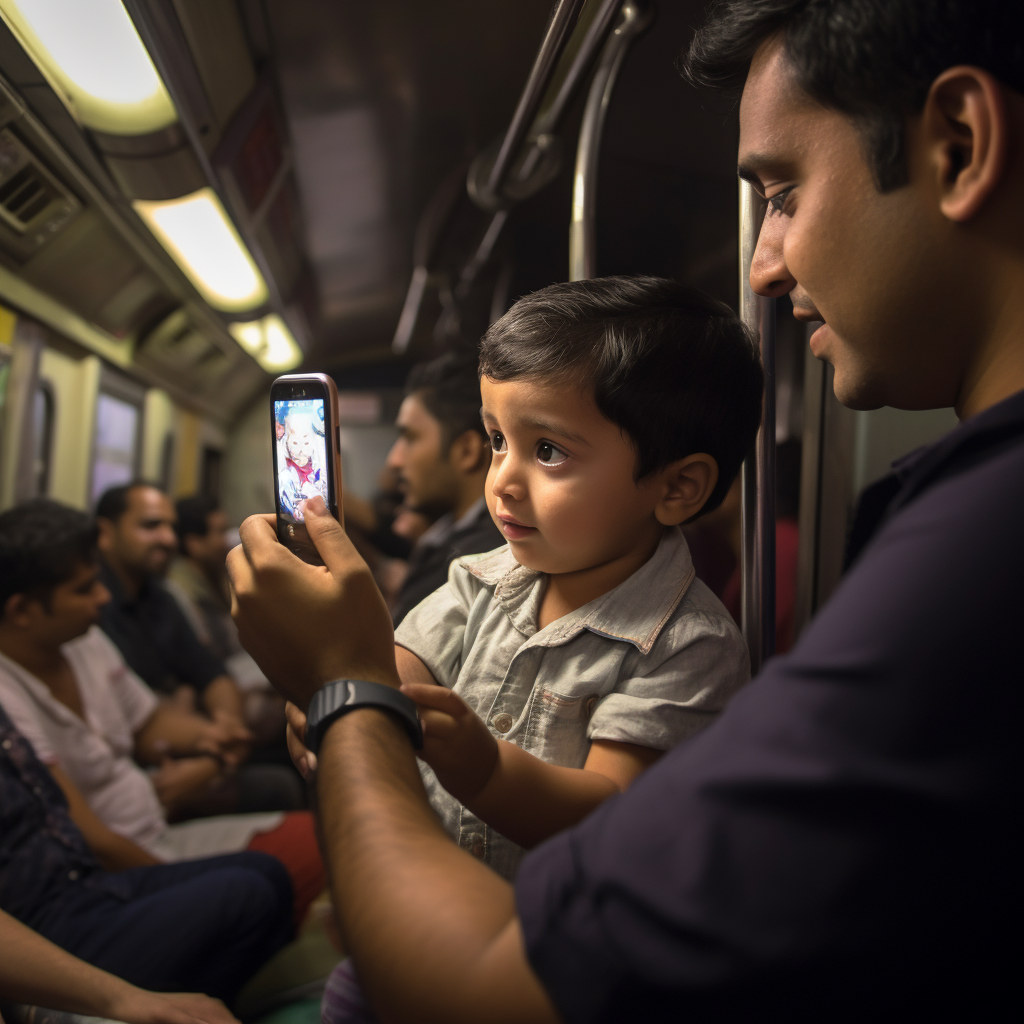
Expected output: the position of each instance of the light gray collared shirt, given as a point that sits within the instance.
(650, 662)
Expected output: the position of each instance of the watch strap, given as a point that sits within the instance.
(335, 699)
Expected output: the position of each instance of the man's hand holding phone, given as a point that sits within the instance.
(307, 625)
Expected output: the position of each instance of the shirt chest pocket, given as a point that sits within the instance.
(556, 726)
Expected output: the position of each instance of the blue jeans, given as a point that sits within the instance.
(196, 926)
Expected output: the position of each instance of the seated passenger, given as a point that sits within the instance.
(137, 541)
(198, 581)
(203, 926)
(35, 971)
(572, 658)
(70, 694)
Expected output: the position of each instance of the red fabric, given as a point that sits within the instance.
(303, 471)
(294, 844)
(787, 547)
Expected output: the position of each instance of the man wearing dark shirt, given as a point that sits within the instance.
(441, 459)
(841, 844)
(203, 925)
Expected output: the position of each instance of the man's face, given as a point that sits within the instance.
(210, 551)
(142, 541)
(874, 266)
(424, 472)
(73, 607)
(560, 486)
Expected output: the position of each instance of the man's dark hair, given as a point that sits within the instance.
(41, 544)
(674, 368)
(449, 388)
(114, 500)
(874, 60)
(193, 517)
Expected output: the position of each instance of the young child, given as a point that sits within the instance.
(573, 657)
(300, 461)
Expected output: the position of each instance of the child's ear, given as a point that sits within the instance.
(16, 609)
(685, 487)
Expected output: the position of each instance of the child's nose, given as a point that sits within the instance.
(507, 477)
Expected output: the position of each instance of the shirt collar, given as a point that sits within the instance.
(447, 526)
(635, 611)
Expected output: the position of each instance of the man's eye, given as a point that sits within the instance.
(777, 203)
(549, 454)
(497, 441)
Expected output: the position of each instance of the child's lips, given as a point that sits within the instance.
(513, 529)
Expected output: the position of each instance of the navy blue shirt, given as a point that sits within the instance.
(43, 855)
(155, 638)
(842, 843)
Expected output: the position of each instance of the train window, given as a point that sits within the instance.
(210, 470)
(42, 437)
(117, 442)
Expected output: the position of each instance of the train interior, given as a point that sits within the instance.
(199, 195)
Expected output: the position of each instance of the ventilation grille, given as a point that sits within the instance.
(33, 205)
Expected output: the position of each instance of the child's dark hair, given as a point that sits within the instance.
(674, 368)
(41, 544)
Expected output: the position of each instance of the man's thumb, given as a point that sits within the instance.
(327, 535)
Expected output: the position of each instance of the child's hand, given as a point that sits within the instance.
(456, 744)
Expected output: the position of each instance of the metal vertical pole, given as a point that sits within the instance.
(17, 455)
(758, 480)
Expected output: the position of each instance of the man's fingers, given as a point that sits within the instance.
(337, 551)
(296, 719)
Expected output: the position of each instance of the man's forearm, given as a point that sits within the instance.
(433, 931)
(34, 970)
(223, 694)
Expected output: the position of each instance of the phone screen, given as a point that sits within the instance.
(301, 454)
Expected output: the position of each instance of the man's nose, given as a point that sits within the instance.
(168, 537)
(769, 274)
(394, 459)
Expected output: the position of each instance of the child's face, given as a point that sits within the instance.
(299, 445)
(560, 487)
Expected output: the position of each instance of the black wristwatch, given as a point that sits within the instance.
(344, 695)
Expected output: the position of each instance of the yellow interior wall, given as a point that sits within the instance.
(7, 321)
(186, 476)
(160, 418)
(75, 384)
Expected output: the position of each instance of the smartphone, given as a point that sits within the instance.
(307, 454)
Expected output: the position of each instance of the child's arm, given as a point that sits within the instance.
(517, 794)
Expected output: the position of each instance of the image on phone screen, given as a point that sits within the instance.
(301, 453)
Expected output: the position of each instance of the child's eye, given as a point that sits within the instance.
(497, 441)
(549, 454)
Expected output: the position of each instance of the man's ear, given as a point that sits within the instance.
(966, 131)
(686, 486)
(16, 609)
(105, 533)
(469, 452)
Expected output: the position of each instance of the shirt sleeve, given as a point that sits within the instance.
(675, 694)
(23, 711)
(136, 700)
(435, 629)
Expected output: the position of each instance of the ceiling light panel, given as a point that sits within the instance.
(198, 233)
(91, 54)
(269, 342)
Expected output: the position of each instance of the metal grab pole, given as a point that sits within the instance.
(758, 480)
(558, 33)
(582, 233)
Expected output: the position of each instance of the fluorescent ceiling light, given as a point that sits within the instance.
(93, 57)
(197, 232)
(269, 342)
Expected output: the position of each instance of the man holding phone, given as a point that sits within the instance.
(840, 844)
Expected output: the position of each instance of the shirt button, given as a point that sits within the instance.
(502, 722)
(38, 790)
(475, 843)
(6, 744)
(73, 875)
